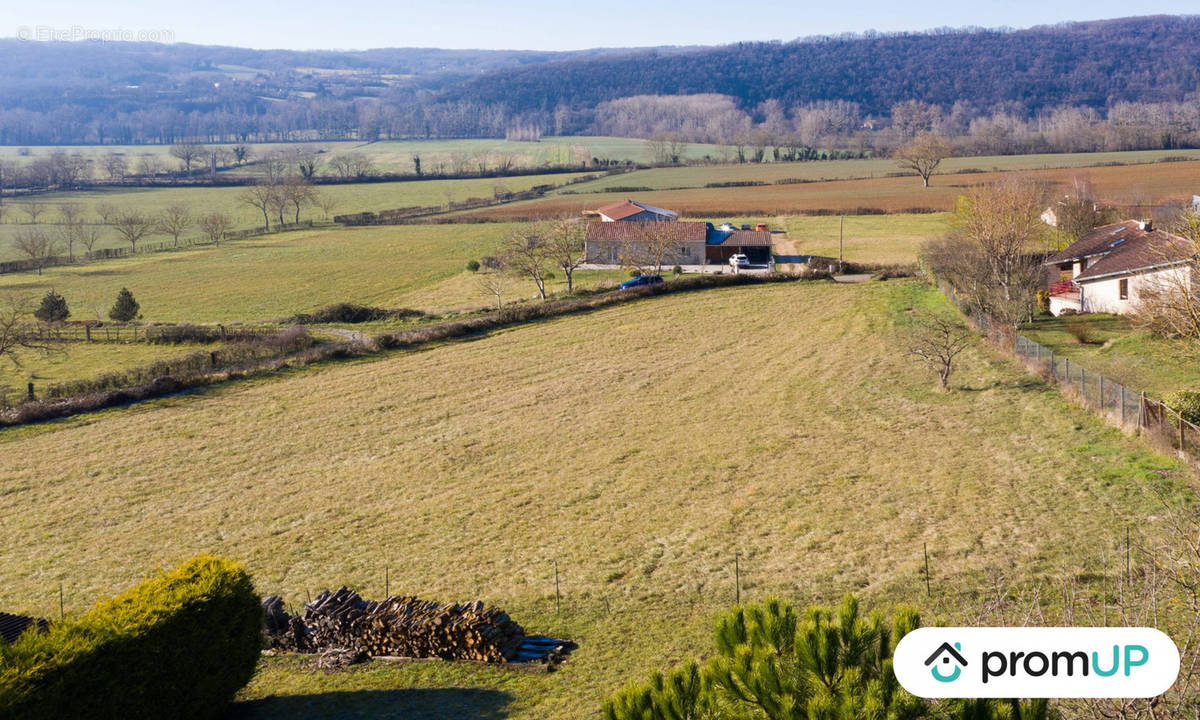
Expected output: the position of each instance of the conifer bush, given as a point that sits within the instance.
(176, 647)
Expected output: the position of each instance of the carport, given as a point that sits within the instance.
(720, 245)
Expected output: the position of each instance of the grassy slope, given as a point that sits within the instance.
(1120, 352)
(350, 198)
(83, 360)
(271, 276)
(639, 446)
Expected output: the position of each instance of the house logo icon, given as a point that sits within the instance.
(948, 653)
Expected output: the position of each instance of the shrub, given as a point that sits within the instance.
(676, 271)
(1043, 302)
(125, 308)
(1186, 403)
(53, 308)
(178, 646)
(1080, 328)
(635, 272)
(473, 265)
(351, 313)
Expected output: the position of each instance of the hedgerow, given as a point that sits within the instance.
(176, 647)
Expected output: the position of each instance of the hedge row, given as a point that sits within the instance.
(176, 647)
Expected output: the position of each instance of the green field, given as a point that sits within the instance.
(701, 175)
(272, 276)
(640, 447)
(348, 199)
(74, 361)
(1113, 347)
(874, 239)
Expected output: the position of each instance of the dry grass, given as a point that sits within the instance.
(1124, 185)
(77, 361)
(639, 446)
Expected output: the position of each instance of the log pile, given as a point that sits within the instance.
(406, 627)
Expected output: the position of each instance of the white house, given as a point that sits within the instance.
(1108, 269)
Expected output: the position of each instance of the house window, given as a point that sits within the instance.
(1123, 288)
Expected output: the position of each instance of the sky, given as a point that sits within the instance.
(527, 24)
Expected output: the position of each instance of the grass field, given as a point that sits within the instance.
(875, 239)
(1124, 185)
(700, 175)
(75, 361)
(271, 276)
(640, 447)
(1120, 351)
(348, 198)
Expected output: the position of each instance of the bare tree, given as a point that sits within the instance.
(33, 209)
(175, 221)
(1168, 303)
(495, 278)
(150, 164)
(527, 253)
(115, 166)
(923, 154)
(16, 330)
(260, 196)
(326, 201)
(107, 211)
(242, 153)
(187, 153)
(88, 236)
(937, 340)
(297, 192)
(565, 248)
(308, 162)
(132, 226)
(656, 242)
(35, 244)
(352, 166)
(216, 226)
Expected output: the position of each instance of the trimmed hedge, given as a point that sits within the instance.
(176, 647)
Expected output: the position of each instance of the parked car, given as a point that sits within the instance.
(739, 260)
(641, 280)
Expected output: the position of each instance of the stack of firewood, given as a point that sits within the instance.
(397, 626)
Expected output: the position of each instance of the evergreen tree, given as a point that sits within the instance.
(125, 308)
(53, 308)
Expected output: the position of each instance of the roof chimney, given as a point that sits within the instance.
(1146, 224)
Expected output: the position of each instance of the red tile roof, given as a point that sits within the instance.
(684, 232)
(629, 208)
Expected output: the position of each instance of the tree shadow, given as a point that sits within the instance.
(1024, 384)
(406, 704)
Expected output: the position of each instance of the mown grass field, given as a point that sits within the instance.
(272, 276)
(1115, 348)
(772, 172)
(1123, 185)
(348, 198)
(74, 361)
(873, 239)
(640, 447)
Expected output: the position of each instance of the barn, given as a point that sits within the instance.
(720, 245)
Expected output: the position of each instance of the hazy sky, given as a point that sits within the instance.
(532, 24)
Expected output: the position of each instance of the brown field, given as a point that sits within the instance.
(1122, 185)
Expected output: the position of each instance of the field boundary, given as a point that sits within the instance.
(1125, 407)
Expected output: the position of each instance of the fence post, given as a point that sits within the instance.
(1122, 406)
(30, 390)
(1101, 392)
(1141, 409)
(87, 330)
(1083, 383)
(1180, 416)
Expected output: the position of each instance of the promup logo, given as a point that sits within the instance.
(947, 653)
(1036, 662)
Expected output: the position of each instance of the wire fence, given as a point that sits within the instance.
(45, 333)
(1127, 407)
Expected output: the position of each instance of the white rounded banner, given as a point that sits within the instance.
(1027, 662)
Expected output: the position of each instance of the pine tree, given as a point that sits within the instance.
(125, 308)
(53, 308)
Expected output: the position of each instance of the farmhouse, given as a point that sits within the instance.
(633, 211)
(679, 243)
(1109, 268)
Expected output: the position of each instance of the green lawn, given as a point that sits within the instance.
(1119, 351)
(78, 360)
(877, 239)
(640, 447)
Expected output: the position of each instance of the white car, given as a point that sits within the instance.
(739, 261)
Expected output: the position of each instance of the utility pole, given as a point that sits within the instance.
(841, 238)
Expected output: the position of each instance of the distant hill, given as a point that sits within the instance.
(128, 93)
(1145, 59)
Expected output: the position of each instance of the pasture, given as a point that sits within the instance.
(639, 446)
(271, 276)
(345, 198)
(78, 360)
(1122, 185)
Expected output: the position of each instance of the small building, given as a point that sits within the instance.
(633, 211)
(1108, 269)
